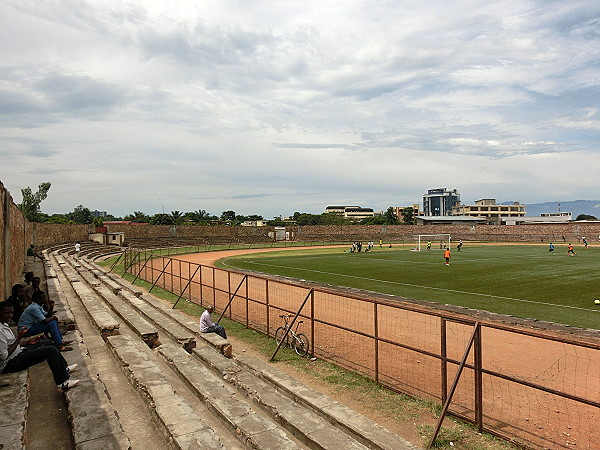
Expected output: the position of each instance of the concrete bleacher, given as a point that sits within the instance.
(230, 401)
(92, 420)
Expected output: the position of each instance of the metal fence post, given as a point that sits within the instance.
(267, 308)
(478, 381)
(454, 385)
(376, 335)
(312, 323)
(443, 359)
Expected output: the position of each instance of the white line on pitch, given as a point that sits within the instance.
(422, 287)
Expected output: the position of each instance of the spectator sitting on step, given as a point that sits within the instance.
(19, 301)
(28, 278)
(33, 287)
(36, 320)
(208, 326)
(31, 252)
(14, 358)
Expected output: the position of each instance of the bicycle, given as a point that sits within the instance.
(299, 341)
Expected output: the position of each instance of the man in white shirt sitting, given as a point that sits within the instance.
(208, 326)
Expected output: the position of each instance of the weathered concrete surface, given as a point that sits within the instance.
(177, 419)
(104, 321)
(213, 339)
(91, 414)
(131, 316)
(365, 430)
(14, 402)
(254, 430)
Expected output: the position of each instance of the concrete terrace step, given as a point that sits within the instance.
(180, 324)
(101, 316)
(14, 402)
(254, 430)
(131, 309)
(93, 419)
(94, 422)
(306, 424)
(130, 315)
(175, 416)
(365, 430)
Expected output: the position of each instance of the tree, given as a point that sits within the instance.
(333, 219)
(408, 216)
(98, 222)
(177, 217)
(161, 219)
(81, 215)
(390, 216)
(585, 217)
(200, 216)
(376, 220)
(276, 222)
(229, 216)
(30, 205)
(137, 217)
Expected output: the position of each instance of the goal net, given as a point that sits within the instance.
(438, 242)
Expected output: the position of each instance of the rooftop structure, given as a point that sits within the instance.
(488, 209)
(351, 212)
(439, 202)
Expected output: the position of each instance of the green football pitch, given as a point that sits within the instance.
(521, 280)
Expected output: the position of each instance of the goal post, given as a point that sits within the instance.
(438, 241)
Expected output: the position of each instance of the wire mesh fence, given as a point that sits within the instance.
(528, 386)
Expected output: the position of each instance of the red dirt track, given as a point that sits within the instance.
(346, 325)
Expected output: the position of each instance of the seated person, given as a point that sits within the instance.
(31, 252)
(28, 278)
(33, 287)
(207, 325)
(36, 320)
(19, 301)
(14, 358)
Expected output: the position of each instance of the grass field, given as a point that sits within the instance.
(522, 280)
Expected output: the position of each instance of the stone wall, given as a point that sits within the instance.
(186, 231)
(16, 234)
(498, 233)
(45, 234)
(572, 232)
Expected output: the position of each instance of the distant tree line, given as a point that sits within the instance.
(30, 206)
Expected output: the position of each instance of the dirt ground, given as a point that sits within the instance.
(538, 418)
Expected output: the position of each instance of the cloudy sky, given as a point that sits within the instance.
(270, 107)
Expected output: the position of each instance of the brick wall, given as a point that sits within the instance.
(186, 231)
(500, 233)
(527, 233)
(45, 234)
(16, 234)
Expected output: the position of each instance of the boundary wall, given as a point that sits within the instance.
(570, 232)
(16, 234)
(526, 385)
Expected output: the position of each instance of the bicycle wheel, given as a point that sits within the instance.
(279, 333)
(300, 344)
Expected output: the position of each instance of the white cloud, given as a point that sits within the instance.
(274, 107)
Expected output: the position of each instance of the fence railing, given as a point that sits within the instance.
(524, 385)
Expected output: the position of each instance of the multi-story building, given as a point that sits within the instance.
(351, 212)
(487, 207)
(398, 210)
(439, 202)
